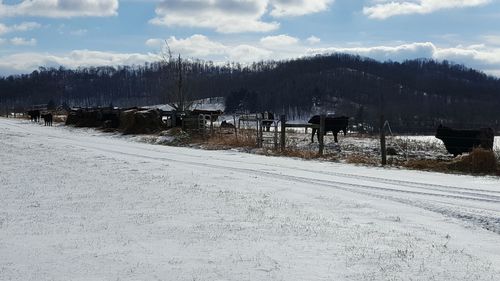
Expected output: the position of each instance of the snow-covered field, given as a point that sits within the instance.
(77, 204)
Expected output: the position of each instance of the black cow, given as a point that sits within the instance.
(333, 124)
(460, 141)
(225, 124)
(34, 115)
(47, 118)
(267, 120)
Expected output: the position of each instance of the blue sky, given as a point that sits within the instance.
(77, 33)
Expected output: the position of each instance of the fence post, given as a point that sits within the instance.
(283, 132)
(174, 117)
(382, 140)
(235, 128)
(321, 133)
(275, 135)
(382, 132)
(211, 126)
(260, 133)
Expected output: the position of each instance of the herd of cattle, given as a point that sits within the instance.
(455, 141)
(36, 114)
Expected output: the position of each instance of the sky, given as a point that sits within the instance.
(80, 33)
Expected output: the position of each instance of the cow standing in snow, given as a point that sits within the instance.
(34, 115)
(47, 118)
(460, 141)
(333, 124)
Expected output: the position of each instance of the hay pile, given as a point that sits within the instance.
(135, 121)
(479, 161)
(94, 118)
(83, 118)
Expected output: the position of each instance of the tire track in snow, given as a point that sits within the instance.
(488, 194)
(429, 202)
(488, 222)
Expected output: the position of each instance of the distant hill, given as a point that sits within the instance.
(414, 95)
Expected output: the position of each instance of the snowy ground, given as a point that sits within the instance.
(77, 204)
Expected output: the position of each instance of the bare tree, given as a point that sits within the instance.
(178, 99)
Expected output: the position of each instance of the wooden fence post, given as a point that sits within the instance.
(283, 132)
(275, 135)
(382, 140)
(235, 128)
(260, 132)
(211, 126)
(321, 133)
(174, 117)
(382, 131)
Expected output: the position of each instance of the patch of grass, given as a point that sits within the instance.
(479, 161)
(427, 155)
(180, 137)
(305, 154)
(59, 118)
(427, 165)
(362, 159)
(244, 138)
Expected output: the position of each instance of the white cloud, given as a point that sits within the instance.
(25, 26)
(313, 40)
(27, 62)
(279, 41)
(18, 41)
(383, 53)
(479, 56)
(492, 39)
(155, 43)
(60, 8)
(201, 47)
(224, 16)
(196, 46)
(233, 16)
(281, 8)
(482, 57)
(248, 53)
(383, 9)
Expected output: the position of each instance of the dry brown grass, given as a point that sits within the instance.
(304, 154)
(247, 139)
(59, 118)
(479, 161)
(362, 159)
(427, 165)
(244, 138)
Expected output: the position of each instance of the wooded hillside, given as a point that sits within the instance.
(414, 95)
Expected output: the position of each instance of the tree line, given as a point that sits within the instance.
(414, 96)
